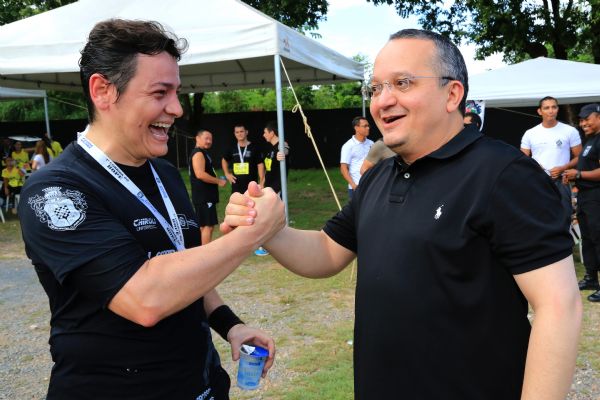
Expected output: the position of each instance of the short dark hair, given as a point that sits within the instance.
(272, 126)
(448, 62)
(546, 98)
(240, 125)
(356, 120)
(112, 48)
(475, 118)
(201, 131)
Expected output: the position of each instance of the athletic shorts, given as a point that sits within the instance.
(206, 213)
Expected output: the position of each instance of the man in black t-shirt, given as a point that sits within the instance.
(272, 156)
(113, 237)
(454, 237)
(242, 163)
(587, 179)
(205, 185)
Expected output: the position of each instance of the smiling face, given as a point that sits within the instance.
(591, 124)
(141, 117)
(418, 121)
(204, 140)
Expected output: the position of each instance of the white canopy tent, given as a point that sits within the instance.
(525, 83)
(18, 94)
(231, 46)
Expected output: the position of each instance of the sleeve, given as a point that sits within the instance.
(345, 154)
(574, 138)
(68, 230)
(227, 156)
(529, 226)
(342, 229)
(525, 142)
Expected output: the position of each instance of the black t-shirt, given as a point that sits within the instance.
(438, 243)
(589, 161)
(203, 192)
(86, 235)
(272, 167)
(251, 155)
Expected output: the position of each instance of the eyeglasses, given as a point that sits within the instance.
(400, 84)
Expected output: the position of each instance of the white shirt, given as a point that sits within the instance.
(353, 154)
(551, 147)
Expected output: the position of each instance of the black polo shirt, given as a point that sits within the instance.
(589, 160)
(438, 312)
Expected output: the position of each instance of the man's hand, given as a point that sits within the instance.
(242, 334)
(556, 171)
(569, 175)
(259, 209)
(231, 178)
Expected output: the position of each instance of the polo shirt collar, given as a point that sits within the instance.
(458, 143)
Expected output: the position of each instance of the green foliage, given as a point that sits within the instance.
(61, 105)
(519, 29)
(13, 10)
(303, 15)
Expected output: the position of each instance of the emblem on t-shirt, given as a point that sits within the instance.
(587, 150)
(558, 143)
(438, 212)
(62, 211)
(143, 224)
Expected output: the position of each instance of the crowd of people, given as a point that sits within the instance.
(18, 163)
(456, 235)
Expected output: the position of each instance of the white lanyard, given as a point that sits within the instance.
(173, 229)
(242, 155)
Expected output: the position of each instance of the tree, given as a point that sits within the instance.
(520, 29)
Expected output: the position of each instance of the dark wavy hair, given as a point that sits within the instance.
(112, 49)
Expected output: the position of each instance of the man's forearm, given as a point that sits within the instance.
(552, 353)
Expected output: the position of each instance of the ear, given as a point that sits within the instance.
(456, 92)
(539, 111)
(101, 92)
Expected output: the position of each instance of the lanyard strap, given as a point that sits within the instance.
(242, 155)
(173, 230)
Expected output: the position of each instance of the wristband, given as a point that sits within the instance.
(222, 319)
(578, 175)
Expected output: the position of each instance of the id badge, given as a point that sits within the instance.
(241, 168)
(268, 162)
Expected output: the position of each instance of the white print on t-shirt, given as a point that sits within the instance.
(160, 253)
(438, 212)
(204, 394)
(144, 224)
(587, 150)
(62, 211)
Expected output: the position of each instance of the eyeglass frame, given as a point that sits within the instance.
(407, 80)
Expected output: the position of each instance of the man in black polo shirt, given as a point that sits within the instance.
(587, 180)
(454, 237)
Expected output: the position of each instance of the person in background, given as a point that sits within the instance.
(7, 148)
(586, 177)
(244, 160)
(12, 178)
(379, 151)
(205, 185)
(272, 158)
(472, 118)
(354, 152)
(111, 232)
(21, 156)
(40, 156)
(554, 145)
(454, 237)
(54, 147)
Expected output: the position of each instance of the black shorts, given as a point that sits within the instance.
(206, 213)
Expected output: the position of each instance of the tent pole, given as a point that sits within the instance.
(47, 118)
(364, 99)
(284, 197)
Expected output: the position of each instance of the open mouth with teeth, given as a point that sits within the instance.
(160, 130)
(390, 119)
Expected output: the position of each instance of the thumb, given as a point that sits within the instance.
(254, 189)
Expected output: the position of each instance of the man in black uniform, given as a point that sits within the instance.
(205, 185)
(587, 180)
(112, 235)
(272, 157)
(453, 237)
(244, 160)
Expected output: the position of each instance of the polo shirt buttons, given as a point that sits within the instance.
(406, 175)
